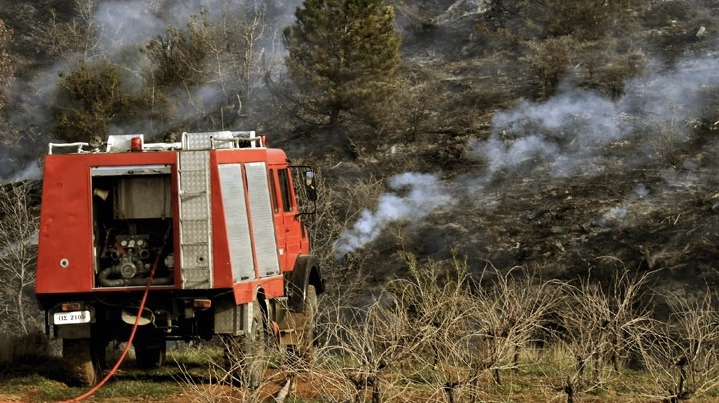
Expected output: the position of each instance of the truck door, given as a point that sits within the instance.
(287, 226)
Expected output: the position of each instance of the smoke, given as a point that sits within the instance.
(577, 133)
(569, 134)
(123, 28)
(132, 23)
(12, 170)
(414, 196)
(618, 214)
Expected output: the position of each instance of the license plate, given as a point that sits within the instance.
(68, 318)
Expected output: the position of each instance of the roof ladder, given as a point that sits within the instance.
(195, 218)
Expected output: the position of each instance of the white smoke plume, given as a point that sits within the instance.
(16, 171)
(618, 214)
(414, 196)
(568, 133)
(560, 132)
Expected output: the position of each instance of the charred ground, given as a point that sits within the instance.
(645, 200)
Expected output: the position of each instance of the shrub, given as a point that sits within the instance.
(90, 98)
(550, 60)
(25, 347)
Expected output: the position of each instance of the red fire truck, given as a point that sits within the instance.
(210, 226)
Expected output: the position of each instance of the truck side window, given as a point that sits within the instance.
(273, 192)
(285, 189)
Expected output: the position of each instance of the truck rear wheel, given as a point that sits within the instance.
(245, 357)
(78, 362)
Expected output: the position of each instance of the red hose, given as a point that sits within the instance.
(129, 341)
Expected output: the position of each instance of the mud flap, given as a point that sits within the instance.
(231, 319)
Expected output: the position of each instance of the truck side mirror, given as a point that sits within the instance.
(305, 183)
(310, 185)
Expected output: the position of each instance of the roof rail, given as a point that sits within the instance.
(221, 140)
(117, 143)
(79, 145)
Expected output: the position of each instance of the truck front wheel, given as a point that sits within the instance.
(78, 362)
(306, 329)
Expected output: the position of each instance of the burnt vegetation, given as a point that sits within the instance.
(573, 144)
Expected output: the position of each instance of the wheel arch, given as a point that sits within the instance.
(306, 272)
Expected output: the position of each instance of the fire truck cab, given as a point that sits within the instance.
(212, 225)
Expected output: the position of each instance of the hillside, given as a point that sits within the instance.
(563, 141)
(613, 167)
(535, 140)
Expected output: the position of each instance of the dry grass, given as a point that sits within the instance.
(539, 377)
(31, 347)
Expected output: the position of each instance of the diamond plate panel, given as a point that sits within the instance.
(195, 231)
(194, 207)
(203, 141)
(196, 278)
(195, 267)
(194, 160)
(195, 224)
(195, 256)
(193, 181)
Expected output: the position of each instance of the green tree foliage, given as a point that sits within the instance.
(178, 63)
(342, 53)
(180, 56)
(90, 98)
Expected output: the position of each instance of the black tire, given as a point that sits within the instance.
(150, 355)
(245, 358)
(81, 369)
(305, 344)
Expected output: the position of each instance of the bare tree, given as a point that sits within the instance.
(213, 69)
(681, 355)
(179, 62)
(339, 205)
(513, 308)
(79, 36)
(18, 251)
(414, 100)
(443, 323)
(247, 59)
(361, 346)
(550, 60)
(467, 327)
(601, 326)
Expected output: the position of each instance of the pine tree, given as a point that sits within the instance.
(342, 54)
